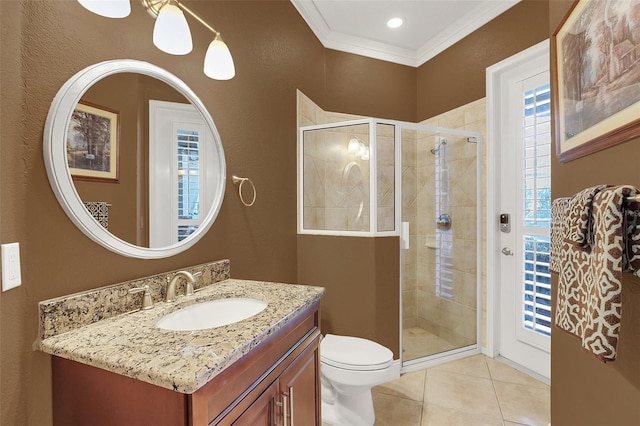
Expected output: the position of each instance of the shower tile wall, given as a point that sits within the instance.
(386, 177)
(456, 317)
(409, 214)
(336, 195)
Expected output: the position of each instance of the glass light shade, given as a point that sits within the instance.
(362, 150)
(218, 63)
(354, 146)
(365, 157)
(171, 32)
(108, 8)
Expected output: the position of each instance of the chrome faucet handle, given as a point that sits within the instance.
(147, 301)
(190, 291)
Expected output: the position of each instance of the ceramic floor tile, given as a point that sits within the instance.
(418, 342)
(461, 392)
(523, 403)
(396, 411)
(409, 385)
(504, 373)
(436, 415)
(472, 366)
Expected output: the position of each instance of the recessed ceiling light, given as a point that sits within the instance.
(394, 22)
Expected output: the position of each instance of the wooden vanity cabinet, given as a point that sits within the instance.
(289, 400)
(276, 383)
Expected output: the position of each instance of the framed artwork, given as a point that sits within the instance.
(92, 143)
(596, 72)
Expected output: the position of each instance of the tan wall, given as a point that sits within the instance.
(46, 42)
(128, 95)
(457, 76)
(360, 275)
(584, 390)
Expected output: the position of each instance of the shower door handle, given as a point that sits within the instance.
(506, 251)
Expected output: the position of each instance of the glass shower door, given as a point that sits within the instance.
(439, 270)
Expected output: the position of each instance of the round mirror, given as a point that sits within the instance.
(134, 159)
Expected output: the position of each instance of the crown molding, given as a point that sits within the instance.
(476, 18)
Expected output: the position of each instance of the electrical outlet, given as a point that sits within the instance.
(11, 276)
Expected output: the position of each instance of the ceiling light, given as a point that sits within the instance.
(108, 8)
(171, 33)
(395, 22)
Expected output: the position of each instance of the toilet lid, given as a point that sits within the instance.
(354, 353)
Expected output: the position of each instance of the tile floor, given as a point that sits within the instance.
(468, 392)
(417, 342)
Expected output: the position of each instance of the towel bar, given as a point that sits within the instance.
(634, 199)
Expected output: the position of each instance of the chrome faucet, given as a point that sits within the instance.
(171, 284)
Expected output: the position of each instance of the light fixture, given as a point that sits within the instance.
(354, 145)
(171, 32)
(395, 22)
(218, 63)
(108, 8)
(363, 151)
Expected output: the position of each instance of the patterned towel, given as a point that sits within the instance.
(588, 298)
(580, 220)
(100, 211)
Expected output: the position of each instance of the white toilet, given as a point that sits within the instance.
(349, 368)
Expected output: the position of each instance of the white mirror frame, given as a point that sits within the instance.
(55, 160)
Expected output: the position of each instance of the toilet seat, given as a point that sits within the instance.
(354, 353)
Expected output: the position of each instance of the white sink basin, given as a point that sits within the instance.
(214, 313)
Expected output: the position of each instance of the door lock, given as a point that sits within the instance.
(505, 223)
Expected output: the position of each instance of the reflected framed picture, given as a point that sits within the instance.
(92, 143)
(596, 72)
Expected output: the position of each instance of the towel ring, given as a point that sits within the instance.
(241, 181)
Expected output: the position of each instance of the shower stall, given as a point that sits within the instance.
(374, 177)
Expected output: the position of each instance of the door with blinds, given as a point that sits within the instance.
(178, 141)
(525, 280)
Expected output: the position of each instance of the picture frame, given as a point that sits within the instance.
(93, 143)
(596, 75)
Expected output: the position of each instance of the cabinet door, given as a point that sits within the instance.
(261, 412)
(300, 387)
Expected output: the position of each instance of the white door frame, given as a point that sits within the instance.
(495, 96)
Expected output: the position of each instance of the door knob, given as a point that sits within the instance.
(507, 251)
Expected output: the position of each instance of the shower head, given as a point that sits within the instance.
(435, 150)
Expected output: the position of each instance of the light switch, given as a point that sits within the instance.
(11, 276)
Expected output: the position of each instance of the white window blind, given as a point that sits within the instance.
(188, 191)
(536, 175)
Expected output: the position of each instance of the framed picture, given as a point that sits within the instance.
(92, 143)
(596, 72)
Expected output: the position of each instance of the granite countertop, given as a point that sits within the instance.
(183, 361)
